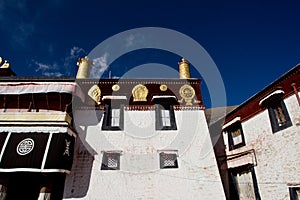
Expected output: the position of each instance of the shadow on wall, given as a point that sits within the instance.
(77, 182)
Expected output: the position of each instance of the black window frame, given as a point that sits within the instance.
(106, 157)
(293, 193)
(106, 125)
(230, 130)
(159, 119)
(273, 104)
(162, 158)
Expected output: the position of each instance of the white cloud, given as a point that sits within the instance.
(71, 59)
(56, 74)
(47, 69)
(64, 67)
(41, 67)
(100, 65)
(75, 51)
(101, 62)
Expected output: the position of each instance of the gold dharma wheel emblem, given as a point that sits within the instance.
(187, 92)
(115, 87)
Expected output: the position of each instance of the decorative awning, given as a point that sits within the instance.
(163, 97)
(236, 119)
(37, 150)
(276, 92)
(40, 87)
(242, 159)
(113, 97)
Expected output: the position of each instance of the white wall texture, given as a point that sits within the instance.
(277, 154)
(140, 176)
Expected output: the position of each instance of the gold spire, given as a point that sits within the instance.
(84, 67)
(5, 64)
(184, 69)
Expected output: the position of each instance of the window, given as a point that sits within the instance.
(110, 161)
(168, 160)
(165, 117)
(278, 114)
(113, 118)
(294, 193)
(235, 136)
(244, 183)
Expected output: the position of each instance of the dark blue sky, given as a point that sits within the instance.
(251, 42)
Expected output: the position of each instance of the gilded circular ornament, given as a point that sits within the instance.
(115, 87)
(187, 92)
(163, 88)
(139, 93)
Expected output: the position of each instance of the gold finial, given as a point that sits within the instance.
(184, 69)
(84, 67)
(5, 64)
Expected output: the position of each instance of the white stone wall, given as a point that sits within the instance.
(140, 176)
(277, 154)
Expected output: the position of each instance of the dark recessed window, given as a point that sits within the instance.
(165, 117)
(110, 161)
(235, 136)
(278, 114)
(113, 118)
(294, 193)
(243, 183)
(168, 160)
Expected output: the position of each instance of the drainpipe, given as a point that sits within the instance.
(296, 92)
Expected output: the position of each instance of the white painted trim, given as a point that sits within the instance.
(37, 129)
(242, 160)
(4, 145)
(231, 122)
(112, 151)
(168, 151)
(34, 170)
(41, 87)
(163, 96)
(111, 97)
(276, 92)
(46, 151)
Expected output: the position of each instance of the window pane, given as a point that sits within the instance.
(115, 112)
(245, 185)
(168, 160)
(165, 116)
(115, 117)
(237, 137)
(280, 115)
(110, 161)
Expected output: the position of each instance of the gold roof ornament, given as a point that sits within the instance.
(5, 64)
(140, 93)
(163, 88)
(115, 87)
(187, 93)
(95, 93)
(184, 69)
(84, 67)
